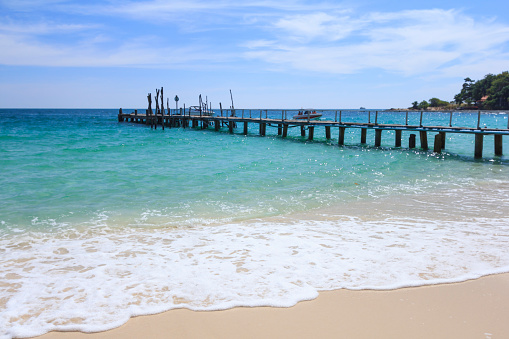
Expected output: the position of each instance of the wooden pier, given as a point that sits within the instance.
(233, 119)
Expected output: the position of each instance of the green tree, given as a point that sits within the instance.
(435, 102)
(480, 88)
(415, 105)
(499, 92)
(466, 92)
(423, 105)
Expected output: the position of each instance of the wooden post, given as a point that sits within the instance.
(369, 117)
(411, 141)
(327, 132)
(135, 112)
(376, 117)
(450, 120)
(311, 132)
(157, 101)
(437, 147)
(216, 125)
(406, 119)
(478, 119)
(162, 103)
(378, 137)
(478, 145)
(149, 98)
(120, 117)
(498, 144)
(364, 132)
(245, 127)
(262, 129)
(230, 127)
(302, 131)
(336, 116)
(397, 142)
(340, 112)
(420, 121)
(341, 136)
(424, 139)
(279, 129)
(443, 139)
(285, 130)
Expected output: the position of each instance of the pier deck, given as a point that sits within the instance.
(232, 121)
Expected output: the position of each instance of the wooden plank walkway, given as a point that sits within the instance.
(231, 122)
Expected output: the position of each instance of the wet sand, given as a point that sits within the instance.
(473, 309)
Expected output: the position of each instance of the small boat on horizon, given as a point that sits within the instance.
(307, 114)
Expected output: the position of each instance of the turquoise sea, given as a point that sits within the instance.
(101, 221)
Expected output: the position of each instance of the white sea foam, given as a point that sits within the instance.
(96, 279)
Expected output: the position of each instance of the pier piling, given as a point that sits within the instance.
(378, 137)
(311, 133)
(478, 145)
(341, 137)
(411, 141)
(424, 140)
(397, 142)
(437, 146)
(364, 132)
(498, 144)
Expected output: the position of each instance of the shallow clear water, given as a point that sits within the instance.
(103, 220)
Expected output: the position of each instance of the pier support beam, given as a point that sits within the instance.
(341, 137)
(424, 140)
(378, 137)
(437, 146)
(230, 127)
(302, 131)
(285, 130)
(216, 125)
(397, 142)
(478, 145)
(364, 132)
(263, 128)
(443, 139)
(245, 127)
(327, 132)
(311, 132)
(411, 141)
(498, 144)
(279, 129)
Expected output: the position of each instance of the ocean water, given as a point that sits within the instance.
(101, 221)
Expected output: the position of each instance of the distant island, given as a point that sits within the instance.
(492, 92)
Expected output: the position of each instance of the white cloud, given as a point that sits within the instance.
(297, 35)
(304, 28)
(407, 42)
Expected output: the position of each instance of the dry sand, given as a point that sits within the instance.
(473, 309)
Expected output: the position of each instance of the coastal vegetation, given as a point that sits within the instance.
(491, 92)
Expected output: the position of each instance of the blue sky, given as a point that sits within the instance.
(271, 54)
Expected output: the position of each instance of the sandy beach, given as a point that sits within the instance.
(472, 309)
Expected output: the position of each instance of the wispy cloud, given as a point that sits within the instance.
(287, 35)
(407, 42)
